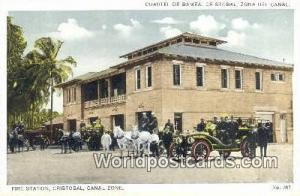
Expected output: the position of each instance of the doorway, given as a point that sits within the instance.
(92, 120)
(139, 116)
(118, 120)
(178, 121)
(267, 117)
(72, 125)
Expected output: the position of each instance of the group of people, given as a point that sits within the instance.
(149, 123)
(18, 137)
(215, 126)
(96, 136)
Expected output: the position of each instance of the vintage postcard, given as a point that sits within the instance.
(172, 92)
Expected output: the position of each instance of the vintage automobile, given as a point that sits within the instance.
(200, 144)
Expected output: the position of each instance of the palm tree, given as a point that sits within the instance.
(47, 70)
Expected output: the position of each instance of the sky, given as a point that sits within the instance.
(96, 39)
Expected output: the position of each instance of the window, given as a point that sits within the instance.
(238, 78)
(176, 75)
(74, 94)
(258, 80)
(273, 77)
(224, 78)
(277, 77)
(90, 91)
(69, 95)
(200, 75)
(280, 77)
(103, 88)
(149, 76)
(137, 79)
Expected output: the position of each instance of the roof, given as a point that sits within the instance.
(167, 42)
(213, 53)
(77, 78)
(90, 76)
(181, 49)
(57, 120)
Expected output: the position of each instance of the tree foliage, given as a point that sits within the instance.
(32, 76)
(16, 45)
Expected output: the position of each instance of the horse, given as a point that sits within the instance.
(12, 141)
(64, 142)
(17, 140)
(144, 140)
(124, 140)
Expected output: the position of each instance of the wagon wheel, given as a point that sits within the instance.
(47, 142)
(75, 147)
(12, 148)
(224, 154)
(26, 144)
(174, 151)
(200, 150)
(161, 148)
(247, 149)
(90, 147)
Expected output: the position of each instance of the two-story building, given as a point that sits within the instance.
(183, 78)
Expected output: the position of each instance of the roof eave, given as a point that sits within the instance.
(288, 67)
(186, 34)
(136, 60)
(61, 85)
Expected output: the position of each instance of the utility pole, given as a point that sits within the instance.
(51, 108)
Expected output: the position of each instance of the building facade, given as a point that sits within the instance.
(183, 79)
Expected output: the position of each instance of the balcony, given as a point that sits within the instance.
(105, 101)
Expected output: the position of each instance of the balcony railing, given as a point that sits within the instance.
(105, 101)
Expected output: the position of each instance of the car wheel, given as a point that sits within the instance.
(173, 151)
(200, 150)
(161, 148)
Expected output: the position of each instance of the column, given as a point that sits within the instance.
(108, 89)
(98, 89)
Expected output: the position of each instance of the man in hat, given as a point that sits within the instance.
(170, 126)
(106, 141)
(262, 139)
(201, 126)
(153, 124)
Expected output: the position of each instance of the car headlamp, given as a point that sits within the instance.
(178, 140)
(190, 140)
